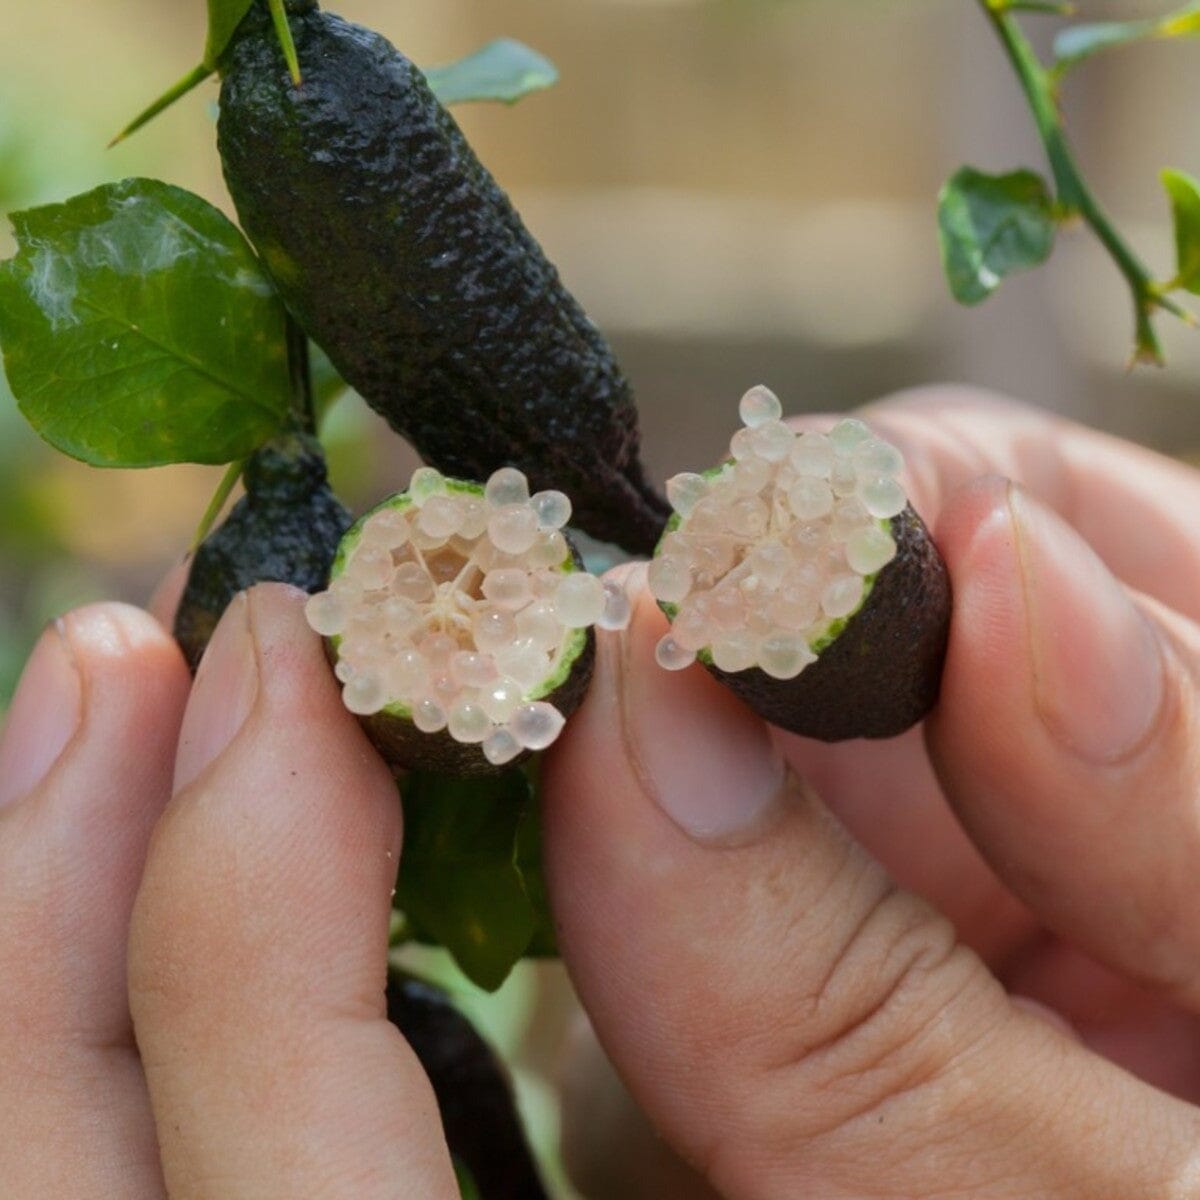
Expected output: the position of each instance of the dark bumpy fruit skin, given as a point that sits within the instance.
(473, 1092)
(286, 528)
(882, 673)
(400, 255)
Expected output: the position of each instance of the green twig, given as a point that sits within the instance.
(279, 16)
(1075, 197)
(213, 511)
(195, 77)
(304, 411)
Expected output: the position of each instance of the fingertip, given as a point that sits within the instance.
(164, 600)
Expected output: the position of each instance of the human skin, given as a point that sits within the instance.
(804, 961)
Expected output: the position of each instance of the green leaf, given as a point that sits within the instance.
(990, 226)
(138, 329)
(224, 16)
(504, 70)
(1079, 42)
(527, 860)
(1184, 192)
(459, 885)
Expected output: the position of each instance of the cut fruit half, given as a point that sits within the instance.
(799, 575)
(459, 620)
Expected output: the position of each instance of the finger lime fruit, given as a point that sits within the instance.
(799, 575)
(402, 258)
(474, 1094)
(285, 529)
(459, 620)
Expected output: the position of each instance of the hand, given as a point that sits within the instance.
(794, 1020)
(790, 1020)
(255, 918)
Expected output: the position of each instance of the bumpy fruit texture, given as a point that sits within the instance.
(462, 611)
(400, 255)
(473, 1089)
(286, 529)
(772, 573)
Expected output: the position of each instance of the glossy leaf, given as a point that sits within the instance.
(990, 226)
(138, 329)
(1079, 42)
(224, 16)
(504, 70)
(1184, 192)
(459, 883)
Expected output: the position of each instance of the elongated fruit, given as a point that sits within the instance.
(459, 619)
(474, 1094)
(286, 529)
(800, 576)
(400, 255)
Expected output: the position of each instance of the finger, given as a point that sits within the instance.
(165, 600)
(790, 1021)
(1134, 507)
(259, 941)
(888, 797)
(609, 1148)
(85, 770)
(1066, 736)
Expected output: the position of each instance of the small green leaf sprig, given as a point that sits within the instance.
(991, 226)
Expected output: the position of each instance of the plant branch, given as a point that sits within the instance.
(1075, 197)
(304, 412)
(228, 481)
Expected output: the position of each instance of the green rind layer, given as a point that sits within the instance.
(881, 673)
(402, 745)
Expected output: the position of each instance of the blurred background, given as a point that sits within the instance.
(739, 191)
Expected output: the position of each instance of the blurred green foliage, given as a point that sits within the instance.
(40, 574)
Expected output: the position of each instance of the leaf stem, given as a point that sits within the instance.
(213, 511)
(1075, 197)
(284, 32)
(195, 77)
(304, 411)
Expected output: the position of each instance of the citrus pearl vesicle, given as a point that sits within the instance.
(460, 622)
(777, 562)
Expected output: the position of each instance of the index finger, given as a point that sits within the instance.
(1136, 508)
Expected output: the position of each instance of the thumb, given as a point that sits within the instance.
(259, 939)
(790, 1020)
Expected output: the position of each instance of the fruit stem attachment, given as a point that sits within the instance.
(284, 32)
(196, 76)
(304, 412)
(1075, 197)
(228, 481)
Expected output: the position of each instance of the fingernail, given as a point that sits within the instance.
(707, 760)
(222, 696)
(45, 713)
(1098, 674)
